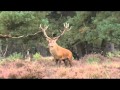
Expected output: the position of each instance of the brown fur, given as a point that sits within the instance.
(59, 53)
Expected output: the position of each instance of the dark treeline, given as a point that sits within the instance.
(92, 31)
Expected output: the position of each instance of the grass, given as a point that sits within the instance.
(15, 56)
(93, 60)
(113, 54)
(44, 68)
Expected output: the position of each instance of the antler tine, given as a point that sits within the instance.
(40, 27)
(45, 27)
(69, 28)
(66, 25)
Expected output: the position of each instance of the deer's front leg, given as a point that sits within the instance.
(58, 62)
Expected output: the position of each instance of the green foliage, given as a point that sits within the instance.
(110, 55)
(87, 26)
(107, 26)
(45, 21)
(15, 20)
(37, 56)
(93, 27)
(20, 22)
(113, 54)
(117, 53)
(80, 27)
(15, 56)
(93, 60)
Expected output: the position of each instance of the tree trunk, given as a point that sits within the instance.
(107, 47)
(80, 49)
(110, 47)
(0, 48)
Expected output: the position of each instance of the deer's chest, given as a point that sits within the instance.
(54, 52)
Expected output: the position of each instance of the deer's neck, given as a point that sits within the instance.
(54, 50)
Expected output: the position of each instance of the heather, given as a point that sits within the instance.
(46, 69)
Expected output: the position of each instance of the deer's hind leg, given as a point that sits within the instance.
(70, 62)
(67, 61)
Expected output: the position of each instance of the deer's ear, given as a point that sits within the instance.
(55, 38)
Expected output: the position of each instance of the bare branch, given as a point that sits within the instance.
(27, 35)
(18, 36)
(5, 36)
(23, 36)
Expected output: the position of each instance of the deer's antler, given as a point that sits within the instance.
(66, 28)
(44, 30)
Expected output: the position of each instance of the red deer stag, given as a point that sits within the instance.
(59, 53)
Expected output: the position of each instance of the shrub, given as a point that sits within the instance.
(93, 60)
(113, 54)
(110, 54)
(37, 56)
(117, 53)
(15, 56)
